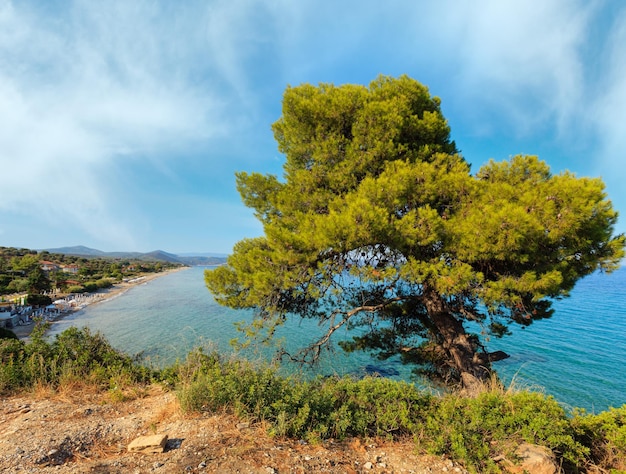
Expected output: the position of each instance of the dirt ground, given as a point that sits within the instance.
(78, 432)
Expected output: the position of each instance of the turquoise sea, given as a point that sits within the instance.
(578, 356)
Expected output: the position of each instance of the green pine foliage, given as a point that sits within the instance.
(379, 224)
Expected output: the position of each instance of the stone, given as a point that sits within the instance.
(148, 444)
(534, 459)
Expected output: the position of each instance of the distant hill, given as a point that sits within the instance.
(78, 250)
(156, 255)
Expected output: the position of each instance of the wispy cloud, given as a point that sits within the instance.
(521, 60)
(609, 113)
(83, 91)
(100, 102)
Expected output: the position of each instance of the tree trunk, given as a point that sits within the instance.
(468, 367)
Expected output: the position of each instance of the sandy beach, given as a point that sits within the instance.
(23, 332)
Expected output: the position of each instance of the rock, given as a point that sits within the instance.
(368, 465)
(534, 459)
(148, 444)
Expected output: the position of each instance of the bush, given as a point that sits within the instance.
(323, 408)
(7, 334)
(90, 286)
(605, 434)
(12, 362)
(104, 283)
(38, 300)
(74, 355)
(471, 431)
(474, 430)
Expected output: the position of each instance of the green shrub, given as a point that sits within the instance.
(474, 430)
(470, 430)
(90, 286)
(7, 334)
(209, 383)
(75, 354)
(370, 406)
(104, 283)
(323, 408)
(12, 358)
(38, 300)
(605, 435)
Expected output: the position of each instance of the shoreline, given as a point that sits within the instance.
(100, 296)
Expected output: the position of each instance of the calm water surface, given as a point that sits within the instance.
(578, 356)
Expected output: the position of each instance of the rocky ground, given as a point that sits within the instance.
(78, 432)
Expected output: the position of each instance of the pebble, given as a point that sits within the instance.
(368, 465)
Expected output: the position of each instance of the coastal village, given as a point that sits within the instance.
(15, 312)
(50, 286)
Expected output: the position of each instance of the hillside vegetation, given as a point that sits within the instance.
(41, 273)
(478, 432)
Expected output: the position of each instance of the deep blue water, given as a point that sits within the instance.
(578, 356)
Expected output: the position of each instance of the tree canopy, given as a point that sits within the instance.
(378, 223)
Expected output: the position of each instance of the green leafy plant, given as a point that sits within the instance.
(605, 434)
(475, 430)
(73, 355)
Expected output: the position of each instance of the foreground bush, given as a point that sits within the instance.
(470, 430)
(494, 423)
(74, 355)
(323, 408)
(473, 431)
(605, 434)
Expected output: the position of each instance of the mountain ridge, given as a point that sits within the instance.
(155, 255)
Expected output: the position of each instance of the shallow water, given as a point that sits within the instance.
(578, 355)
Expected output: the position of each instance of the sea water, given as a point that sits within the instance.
(578, 355)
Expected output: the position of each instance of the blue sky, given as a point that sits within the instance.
(122, 123)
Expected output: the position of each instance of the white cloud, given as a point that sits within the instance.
(609, 113)
(85, 90)
(519, 58)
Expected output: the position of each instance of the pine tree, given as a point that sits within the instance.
(378, 223)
